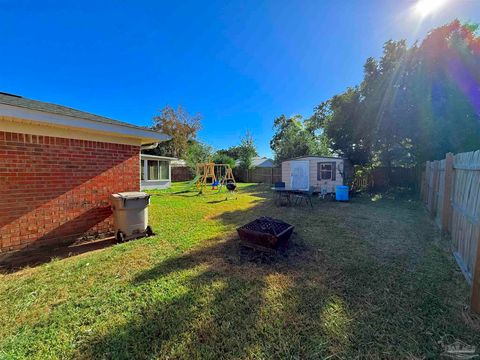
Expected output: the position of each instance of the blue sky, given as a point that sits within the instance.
(239, 63)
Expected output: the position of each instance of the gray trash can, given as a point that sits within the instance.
(130, 214)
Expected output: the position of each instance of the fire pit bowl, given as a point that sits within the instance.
(265, 232)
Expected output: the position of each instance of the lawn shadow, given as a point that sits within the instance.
(60, 243)
(360, 280)
(35, 257)
(231, 302)
(216, 201)
(382, 260)
(186, 193)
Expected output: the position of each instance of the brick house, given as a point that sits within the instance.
(58, 167)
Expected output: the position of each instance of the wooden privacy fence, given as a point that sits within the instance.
(256, 175)
(382, 178)
(182, 173)
(450, 189)
(267, 175)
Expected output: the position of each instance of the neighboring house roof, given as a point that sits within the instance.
(262, 162)
(64, 116)
(178, 163)
(259, 162)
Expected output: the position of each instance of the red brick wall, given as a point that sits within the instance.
(54, 190)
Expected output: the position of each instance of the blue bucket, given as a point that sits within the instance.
(341, 193)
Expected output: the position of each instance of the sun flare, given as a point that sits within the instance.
(424, 8)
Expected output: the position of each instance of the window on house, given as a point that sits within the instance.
(326, 171)
(156, 170)
(152, 170)
(163, 170)
(142, 169)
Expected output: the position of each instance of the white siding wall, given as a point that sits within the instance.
(313, 161)
(160, 184)
(155, 184)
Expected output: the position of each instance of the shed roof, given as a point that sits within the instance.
(316, 156)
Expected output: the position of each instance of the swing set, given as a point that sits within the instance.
(213, 174)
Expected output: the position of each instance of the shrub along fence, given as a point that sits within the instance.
(259, 175)
(450, 189)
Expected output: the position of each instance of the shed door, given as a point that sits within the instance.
(299, 175)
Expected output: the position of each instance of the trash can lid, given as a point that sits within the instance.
(131, 195)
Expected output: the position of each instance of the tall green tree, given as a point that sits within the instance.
(346, 133)
(197, 152)
(449, 72)
(232, 152)
(386, 104)
(181, 126)
(295, 137)
(247, 151)
(221, 158)
(414, 104)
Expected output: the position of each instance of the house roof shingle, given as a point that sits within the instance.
(19, 101)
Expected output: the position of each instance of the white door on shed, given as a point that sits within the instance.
(299, 175)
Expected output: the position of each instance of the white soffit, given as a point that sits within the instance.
(145, 135)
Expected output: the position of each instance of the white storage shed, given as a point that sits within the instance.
(319, 172)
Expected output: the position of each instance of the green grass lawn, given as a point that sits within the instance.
(365, 279)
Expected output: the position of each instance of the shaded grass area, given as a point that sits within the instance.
(365, 279)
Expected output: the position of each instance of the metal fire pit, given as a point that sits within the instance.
(265, 232)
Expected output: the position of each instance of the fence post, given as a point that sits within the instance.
(447, 194)
(429, 184)
(423, 182)
(426, 186)
(433, 203)
(423, 186)
(475, 297)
